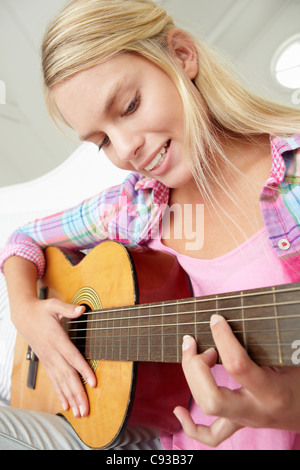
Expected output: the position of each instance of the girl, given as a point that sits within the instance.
(163, 106)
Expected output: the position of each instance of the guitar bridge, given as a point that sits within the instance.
(33, 367)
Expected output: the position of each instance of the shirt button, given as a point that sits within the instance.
(284, 244)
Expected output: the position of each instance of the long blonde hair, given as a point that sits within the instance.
(88, 32)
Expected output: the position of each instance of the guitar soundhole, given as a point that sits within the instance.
(80, 334)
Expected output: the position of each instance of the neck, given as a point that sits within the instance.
(246, 157)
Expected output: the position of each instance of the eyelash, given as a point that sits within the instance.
(131, 109)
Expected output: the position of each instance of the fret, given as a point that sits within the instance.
(144, 333)
(170, 332)
(162, 335)
(289, 328)
(85, 343)
(126, 315)
(185, 320)
(156, 333)
(133, 331)
(124, 336)
(203, 332)
(259, 326)
(243, 322)
(81, 342)
(104, 336)
(195, 319)
(149, 335)
(114, 338)
(138, 335)
(178, 346)
(277, 328)
(233, 306)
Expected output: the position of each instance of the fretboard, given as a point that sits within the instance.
(265, 321)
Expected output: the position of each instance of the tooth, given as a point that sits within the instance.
(156, 160)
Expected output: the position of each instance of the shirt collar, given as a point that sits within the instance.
(279, 145)
(160, 191)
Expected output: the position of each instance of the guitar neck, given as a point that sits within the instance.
(265, 321)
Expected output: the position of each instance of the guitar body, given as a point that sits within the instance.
(127, 393)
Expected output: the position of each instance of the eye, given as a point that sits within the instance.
(104, 142)
(133, 106)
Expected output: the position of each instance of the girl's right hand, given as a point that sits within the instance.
(40, 324)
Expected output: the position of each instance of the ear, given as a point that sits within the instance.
(182, 47)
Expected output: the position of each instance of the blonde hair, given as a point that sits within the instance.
(88, 32)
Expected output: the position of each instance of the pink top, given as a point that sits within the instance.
(252, 265)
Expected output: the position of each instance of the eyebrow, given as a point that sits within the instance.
(108, 103)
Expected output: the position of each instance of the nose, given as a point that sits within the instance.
(127, 144)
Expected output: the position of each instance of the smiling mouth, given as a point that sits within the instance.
(157, 161)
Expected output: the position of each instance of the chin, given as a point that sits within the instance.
(177, 181)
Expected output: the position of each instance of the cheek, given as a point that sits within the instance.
(117, 162)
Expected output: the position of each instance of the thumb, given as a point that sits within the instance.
(64, 310)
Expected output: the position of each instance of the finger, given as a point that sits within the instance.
(235, 358)
(197, 370)
(62, 342)
(212, 399)
(64, 310)
(212, 436)
(77, 398)
(75, 359)
(69, 389)
(189, 347)
(191, 360)
(189, 350)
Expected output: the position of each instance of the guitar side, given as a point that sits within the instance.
(124, 389)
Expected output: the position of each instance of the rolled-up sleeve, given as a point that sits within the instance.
(122, 213)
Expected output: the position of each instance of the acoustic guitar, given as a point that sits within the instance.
(139, 305)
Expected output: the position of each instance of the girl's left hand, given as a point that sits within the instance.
(268, 397)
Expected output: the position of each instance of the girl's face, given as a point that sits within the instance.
(131, 108)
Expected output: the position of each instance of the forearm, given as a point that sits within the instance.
(21, 279)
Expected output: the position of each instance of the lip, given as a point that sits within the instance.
(164, 166)
(150, 159)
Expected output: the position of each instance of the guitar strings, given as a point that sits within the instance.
(210, 311)
(165, 335)
(190, 301)
(194, 323)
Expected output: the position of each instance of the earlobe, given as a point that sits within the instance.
(182, 47)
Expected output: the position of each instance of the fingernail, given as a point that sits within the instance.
(187, 342)
(65, 406)
(91, 383)
(209, 351)
(81, 410)
(215, 319)
(78, 309)
(75, 412)
(179, 419)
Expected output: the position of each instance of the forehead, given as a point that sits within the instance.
(101, 75)
(96, 86)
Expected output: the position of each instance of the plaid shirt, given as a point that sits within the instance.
(130, 213)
